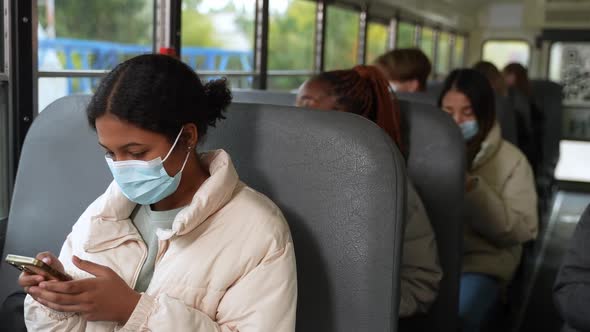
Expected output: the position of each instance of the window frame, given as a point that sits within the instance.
(166, 23)
(384, 24)
(415, 39)
(353, 8)
(568, 103)
(496, 39)
(277, 73)
(455, 36)
(434, 40)
(450, 51)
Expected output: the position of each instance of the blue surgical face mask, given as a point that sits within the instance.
(146, 182)
(469, 129)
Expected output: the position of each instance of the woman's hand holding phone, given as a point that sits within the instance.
(106, 297)
(27, 280)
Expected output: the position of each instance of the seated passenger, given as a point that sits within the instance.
(572, 286)
(517, 78)
(501, 202)
(364, 91)
(491, 72)
(407, 69)
(177, 242)
(520, 108)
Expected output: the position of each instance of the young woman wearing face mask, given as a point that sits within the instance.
(177, 242)
(501, 202)
(364, 91)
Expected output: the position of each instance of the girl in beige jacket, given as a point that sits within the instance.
(501, 201)
(177, 242)
(363, 90)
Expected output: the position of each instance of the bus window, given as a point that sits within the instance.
(341, 38)
(70, 39)
(217, 37)
(503, 52)
(569, 65)
(574, 156)
(444, 53)
(376, 41)
(459, 52)
(290, 43)
(427, 42)
(406, 34)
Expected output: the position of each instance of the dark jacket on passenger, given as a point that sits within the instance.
(572, 287)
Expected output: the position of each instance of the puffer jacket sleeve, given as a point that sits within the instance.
(508, 217)
(41, 318)
(262, 300)
(421, 272)
(572, 287)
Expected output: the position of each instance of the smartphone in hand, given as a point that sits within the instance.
(35, 266)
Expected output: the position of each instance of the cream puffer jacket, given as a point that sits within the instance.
(227, 264)
(501, 209)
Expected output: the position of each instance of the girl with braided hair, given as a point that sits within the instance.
(364, 91)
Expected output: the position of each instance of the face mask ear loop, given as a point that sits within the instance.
(173, 145)
(185, 160)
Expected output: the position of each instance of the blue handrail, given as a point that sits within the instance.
(76, 54)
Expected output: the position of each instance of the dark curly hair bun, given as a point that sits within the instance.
(218, 97)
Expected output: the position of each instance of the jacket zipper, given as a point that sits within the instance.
(160, 253)
(141, 263)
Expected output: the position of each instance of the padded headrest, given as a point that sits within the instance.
(264, 97)
(418, 97)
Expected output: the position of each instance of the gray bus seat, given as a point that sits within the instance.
(548, 97)
(61, 171)
(264, 97)
(436, 165)
(434, 88)
(337, 178)
(418, 97)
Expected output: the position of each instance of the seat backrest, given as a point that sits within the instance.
(264, 97)
(418, 97)
(61, 171)
(522, 107)
(436, 166)
(337, 177)
(507, 118)
(527, 141)
(434, 89)
(548, 97)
